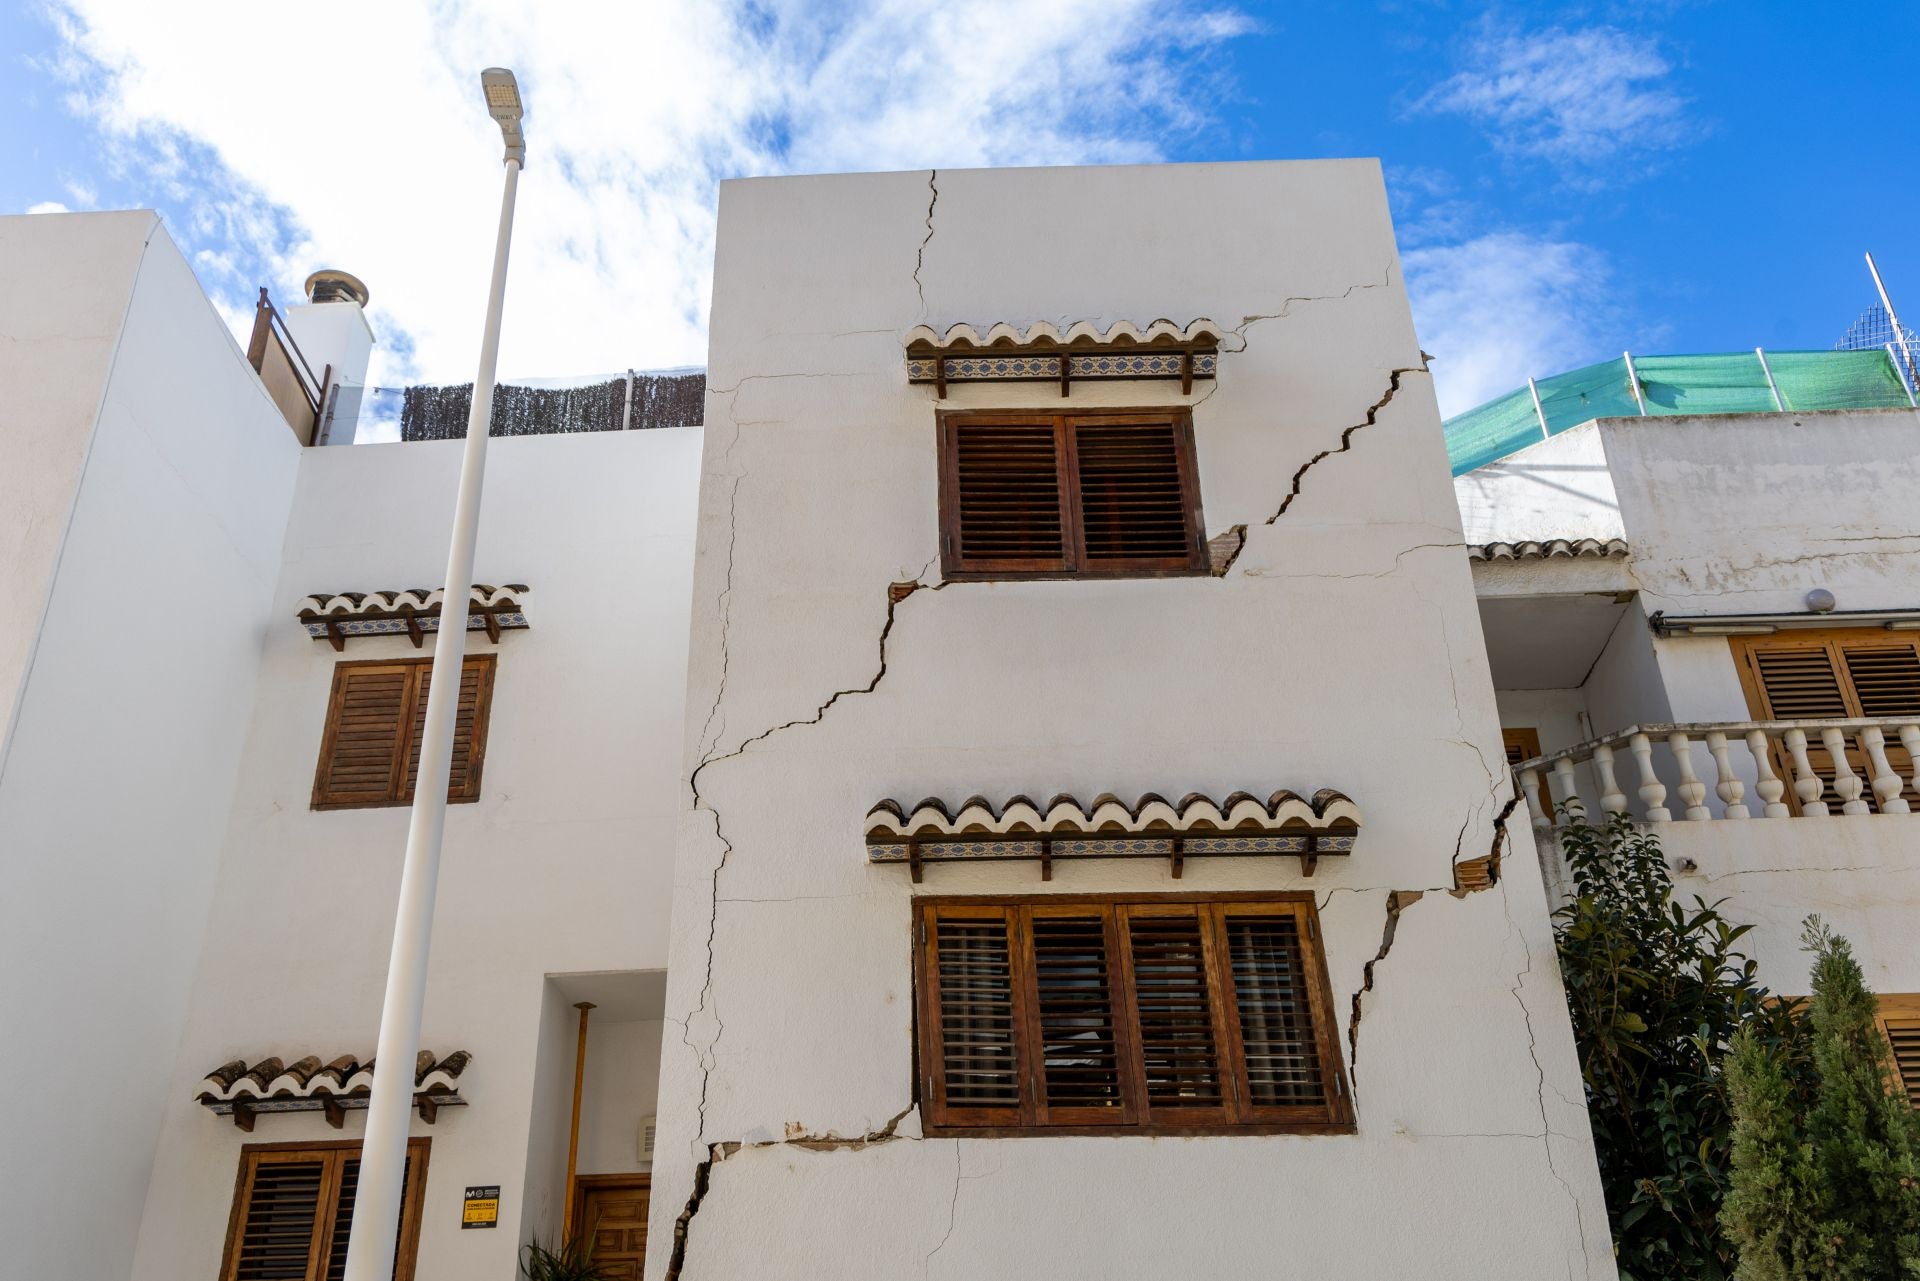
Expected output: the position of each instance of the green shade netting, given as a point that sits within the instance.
(1733, 383)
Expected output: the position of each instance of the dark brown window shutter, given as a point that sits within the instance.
(1081, 1066)
(1052, 495)
(1086, 1012)
(370, 752)
(1174, 1003)
(975, 1061)
(1136, 509)
(294, 1207)
(360, 759)
(469, 729)
(1279, 1041)
(1007, 497)
(280, 1228)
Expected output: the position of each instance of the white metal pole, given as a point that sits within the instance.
(1780, 406)
(1539, 413)
(383, 1156)
(1899, 330)
(1633, 381)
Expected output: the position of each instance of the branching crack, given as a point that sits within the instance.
(920, 255)
(1397, 902)
(1346, 437)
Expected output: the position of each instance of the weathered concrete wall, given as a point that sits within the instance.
(116, 783)
(1342, 649)
(1559, 488)
(562, 866)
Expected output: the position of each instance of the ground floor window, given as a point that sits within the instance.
(293, 1204)
(1116, 1013)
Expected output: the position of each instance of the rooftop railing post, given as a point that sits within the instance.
(1779, 406)
(1538, 411)
(1633, 381)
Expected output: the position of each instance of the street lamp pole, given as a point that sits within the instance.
(383, 1155)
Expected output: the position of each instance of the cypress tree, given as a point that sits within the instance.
(1835, 1196)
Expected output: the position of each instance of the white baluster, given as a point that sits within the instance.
(1807, 785)
(1846, 783)
(1653, 793)
(1612, 799)
(1772, 790)
(1530, 784)
(1691, 789)
(1910, 739)
(1568, 790)
(1731, 791)
(1885, 783)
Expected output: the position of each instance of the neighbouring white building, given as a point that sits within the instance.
(1035, 783)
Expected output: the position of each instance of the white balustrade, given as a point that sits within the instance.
(1846, 783)
(1880, 775)
(1808, 758)
(1653, 793)
(1731, 791)
(1768, 784)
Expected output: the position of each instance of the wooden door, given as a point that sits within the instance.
(611, 1210)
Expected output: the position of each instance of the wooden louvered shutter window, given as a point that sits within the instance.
(1833, 675)
(1087, 1013)
(1083, 495)
(370, 751)
(1523, 744)
(293, 1205)
(1900, 1020)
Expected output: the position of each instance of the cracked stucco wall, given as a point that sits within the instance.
(1341, 647)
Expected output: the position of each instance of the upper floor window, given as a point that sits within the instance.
(1126, 1013)
(370, 753)
(293, 1204)
(1069, 495)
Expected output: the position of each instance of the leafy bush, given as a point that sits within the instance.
(573, 1261)
(1826, 1162)
(1657, 992)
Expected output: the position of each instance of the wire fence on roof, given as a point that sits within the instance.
(1734, 383)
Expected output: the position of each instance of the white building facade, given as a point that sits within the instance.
(1025, 788)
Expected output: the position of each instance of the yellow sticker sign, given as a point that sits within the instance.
(481, 1208)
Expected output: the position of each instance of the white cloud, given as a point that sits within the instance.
(355, 138)
(48, 206)
(1499, 308)
(1574, 98)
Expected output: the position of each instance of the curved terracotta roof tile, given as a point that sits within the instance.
(964, 336)
(417, 599)
(1328, 811)
(271, 1078)
(1551, 549)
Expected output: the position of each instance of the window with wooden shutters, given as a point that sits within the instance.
(370, 752)
(293, 1204)
(1069, 495)
(1110, 1014)
(1523, 744)
(1900, 1021)
(1837, 674)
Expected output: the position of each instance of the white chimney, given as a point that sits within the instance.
(331, 330)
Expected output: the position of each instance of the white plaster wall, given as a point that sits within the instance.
(1745, 513)
(1559, 488)
(623, 1085)
(1343, 649)
(65, 284)
(119, 775)
(1857, 871)
(562, 866)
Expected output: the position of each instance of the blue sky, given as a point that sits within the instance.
(1568, 181)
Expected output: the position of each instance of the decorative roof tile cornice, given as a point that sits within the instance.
(964, 337)
(1152, 827)
(1043, 352)
(245, 1090)
(1551, 549)
(411, 611)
